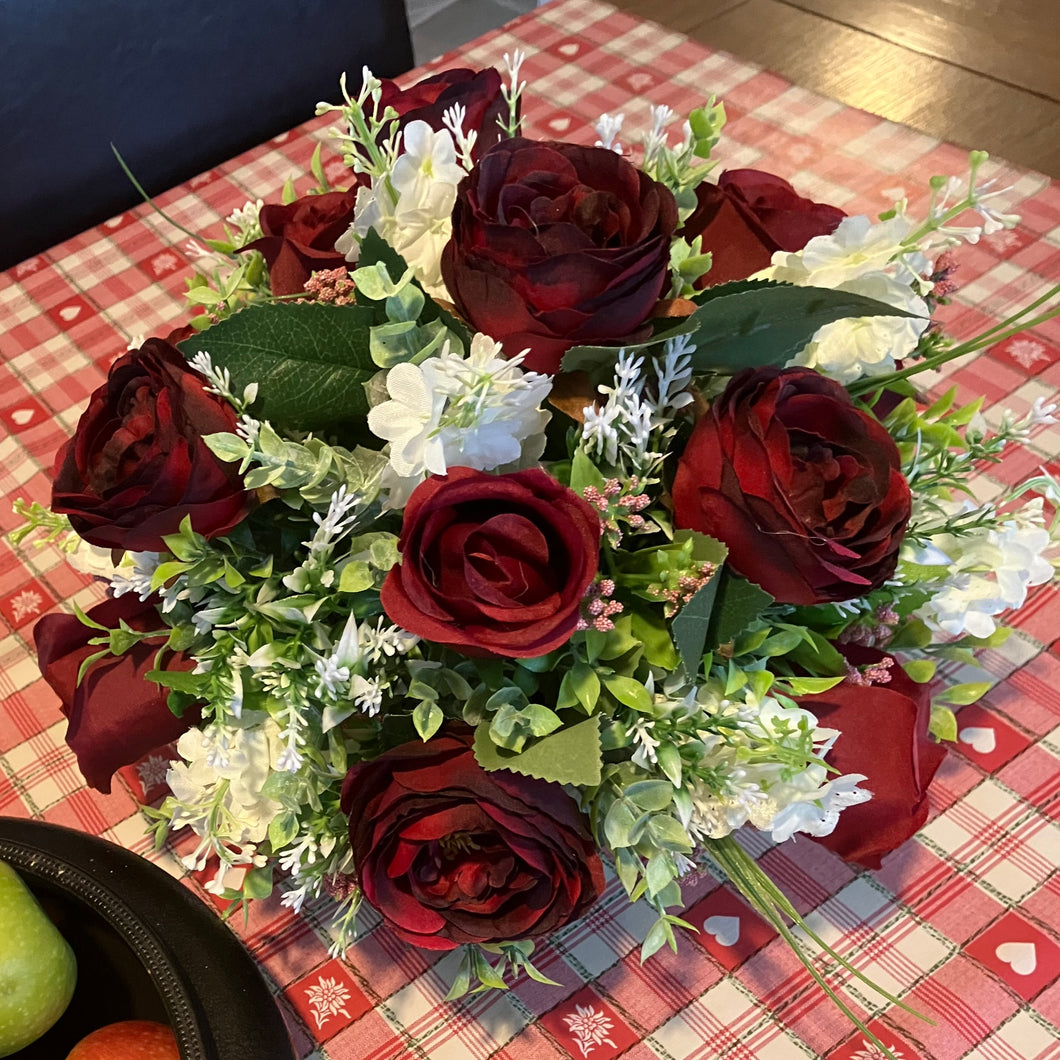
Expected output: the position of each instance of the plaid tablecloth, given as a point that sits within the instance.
(963, 922)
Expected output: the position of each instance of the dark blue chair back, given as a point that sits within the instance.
(177, 85)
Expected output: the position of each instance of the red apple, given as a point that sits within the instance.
(131, 1040)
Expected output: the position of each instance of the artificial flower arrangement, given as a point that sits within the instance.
(531, 505)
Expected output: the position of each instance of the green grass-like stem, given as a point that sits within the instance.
(771, 903)
(150, 202)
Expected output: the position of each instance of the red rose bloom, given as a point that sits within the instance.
(747, 216)
(299, 239)
(180, 334)
(115, 714)
(137, 464)
(450, 854)
(885, 737)
(497, 564)
(804, 488)
(555, 245)
(478, 91)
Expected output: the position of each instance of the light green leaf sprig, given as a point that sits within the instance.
(476, 973)
(312, 469)
(402, 338)
(685, 165)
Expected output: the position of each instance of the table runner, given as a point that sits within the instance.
(962, 922)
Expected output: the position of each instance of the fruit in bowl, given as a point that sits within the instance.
(38, 970)
(128, 1040)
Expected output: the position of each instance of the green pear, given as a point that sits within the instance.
(37, 967)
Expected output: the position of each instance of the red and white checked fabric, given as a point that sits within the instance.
(962, 922)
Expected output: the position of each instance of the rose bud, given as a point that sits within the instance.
(137, 463)
(555, 245)
(478, 91)
(884, 736)
(115, 714)
(804, 488)
(747, 216)
(298, 238)
(494, 564)
(449, 853)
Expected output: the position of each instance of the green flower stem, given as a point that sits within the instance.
(747, 887)
(777, 896)
(911, 242)
(158, 210)
(355, 115)
(1011, 329)
(768, 900)
(1009, 321)
(969, 202)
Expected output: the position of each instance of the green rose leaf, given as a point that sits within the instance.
(808, 686)
(282, 829)
(666, 833)
(618, 824)
(920, 670)
(963, 694)
(580, 687)
(584, 473)
(753, 323)
(568, 756)
(258, 882)
(650, 628)
(691, 625)
(943, 724)
(738, 603)
(310, 361)
(599, 361)
(629, 692)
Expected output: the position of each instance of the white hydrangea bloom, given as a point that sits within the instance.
(93, 560)
(867, 259)
(849, 349)
(481, 411)
(990, 571)
(856, 247)
(411, 207)
(243, 755)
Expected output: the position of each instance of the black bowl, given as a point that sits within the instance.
(146, 948)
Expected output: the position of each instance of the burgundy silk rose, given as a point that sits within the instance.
(884, 736)
(115, 714)
(477, 91)
(493, 564)
(555, 245)
(747, 216)
(450, 854)
(804, 488)
(137, 463)
(298, 238)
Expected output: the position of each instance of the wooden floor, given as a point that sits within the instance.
(980, 73)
